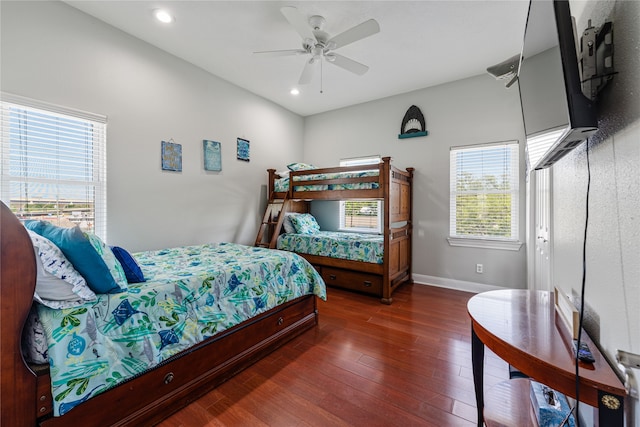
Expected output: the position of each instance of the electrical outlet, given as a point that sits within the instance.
(479, 268)
(628, 360)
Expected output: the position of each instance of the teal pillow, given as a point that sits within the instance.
(79, 251)
(305, 224)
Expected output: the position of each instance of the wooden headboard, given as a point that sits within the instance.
(17, 285)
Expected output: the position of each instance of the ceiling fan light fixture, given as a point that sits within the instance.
(294, 91)
(330, 57)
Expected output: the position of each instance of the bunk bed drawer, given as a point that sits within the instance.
(362, 282)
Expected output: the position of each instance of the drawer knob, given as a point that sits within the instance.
(280, 321)
(367, 283)
(168, 378)
(332, 276)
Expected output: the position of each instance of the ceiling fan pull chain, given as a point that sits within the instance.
(321, 77)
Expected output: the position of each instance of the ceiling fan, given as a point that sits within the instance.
(317, 43)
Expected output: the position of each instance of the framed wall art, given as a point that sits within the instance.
(171, 154)
(212, 155)
(243, 149)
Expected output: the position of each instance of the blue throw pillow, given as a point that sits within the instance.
(129, 265)
(77, 248)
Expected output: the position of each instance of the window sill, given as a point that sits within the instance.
(505, 245)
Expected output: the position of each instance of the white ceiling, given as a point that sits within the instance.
(420, 43)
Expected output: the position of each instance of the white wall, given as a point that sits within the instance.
(471, 111)
(612, 290)
(54, 53)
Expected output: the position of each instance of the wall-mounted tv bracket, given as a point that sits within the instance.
(596, 58)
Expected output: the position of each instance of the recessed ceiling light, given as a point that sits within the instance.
(294, 91)
(163, 16)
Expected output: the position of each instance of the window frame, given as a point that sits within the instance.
(95, 161)
(487, 241)
(366, 160)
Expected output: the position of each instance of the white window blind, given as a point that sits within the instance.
(361, 215)
(484, 191)
(53, 163)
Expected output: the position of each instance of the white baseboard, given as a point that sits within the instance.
(459, 285)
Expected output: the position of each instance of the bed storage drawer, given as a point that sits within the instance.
(361, 282)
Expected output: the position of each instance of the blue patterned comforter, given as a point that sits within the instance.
(282, 184)
(351, 246)
(191, 293)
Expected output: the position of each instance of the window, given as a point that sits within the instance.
(484, 195)
(361, 215)
(53, 163)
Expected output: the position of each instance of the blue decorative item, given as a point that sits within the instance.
(171, 156)
(212, 155)
(243, 149)
(551, 407)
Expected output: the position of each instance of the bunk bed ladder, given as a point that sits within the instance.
(271, 222)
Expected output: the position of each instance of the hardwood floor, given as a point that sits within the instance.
(367, 364)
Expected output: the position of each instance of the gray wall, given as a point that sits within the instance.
(54, 53)
(612, 291)
(471, 111)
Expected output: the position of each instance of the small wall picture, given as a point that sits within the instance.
(243, 149)
(212, 155)
(171, 156)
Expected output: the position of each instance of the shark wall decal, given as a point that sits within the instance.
(413, 124)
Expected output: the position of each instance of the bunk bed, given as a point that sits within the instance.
(149, 396)
(381, 181)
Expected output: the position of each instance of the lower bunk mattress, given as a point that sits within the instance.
(191, 293)
(350, 246)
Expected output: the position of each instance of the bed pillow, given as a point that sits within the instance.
(129, 265)
(283, 174)
(77, 248)
(300, 167)
(287, 224)
(305, 224)
(109, 259)
(58, 284)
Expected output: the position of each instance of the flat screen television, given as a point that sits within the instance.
(557, 116)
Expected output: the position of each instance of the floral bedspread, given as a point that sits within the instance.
(351, 246)
(282, 184)
(191, 293)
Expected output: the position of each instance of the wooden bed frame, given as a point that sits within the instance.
(25, 391)
(395, 191)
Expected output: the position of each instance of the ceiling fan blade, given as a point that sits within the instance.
(285, 52)
(348, 64)
(307, 72)
(298, 21)
(366, 29)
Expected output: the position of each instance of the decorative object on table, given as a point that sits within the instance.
(550, 406)
(567, 312)
(243, 149)
(212, 155)
(413, 124)
(171, 156)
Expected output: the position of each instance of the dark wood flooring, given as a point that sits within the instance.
(366, 364)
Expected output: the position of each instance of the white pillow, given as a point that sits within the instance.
(58, 284)
(284, 173)
(287, 224)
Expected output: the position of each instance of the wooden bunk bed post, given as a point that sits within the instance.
(385, 176)
(17, 285)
